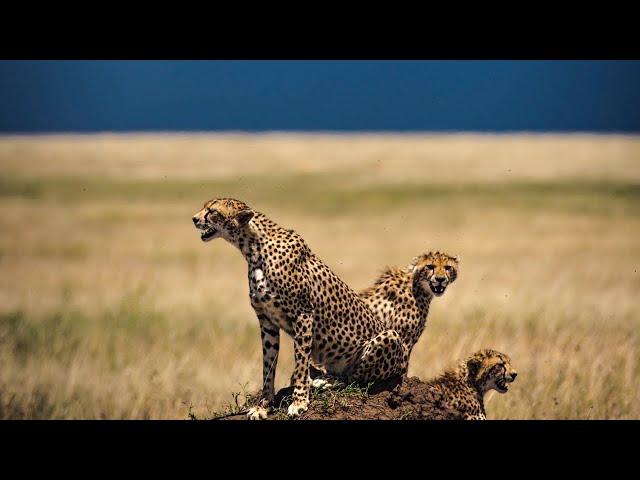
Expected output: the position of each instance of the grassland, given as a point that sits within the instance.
(112, 307)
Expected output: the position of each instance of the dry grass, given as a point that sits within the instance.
(111, 306)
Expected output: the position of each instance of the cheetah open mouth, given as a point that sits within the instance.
(209, 234)
(437, 289)
(502, 385)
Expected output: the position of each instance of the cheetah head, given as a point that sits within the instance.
(222, 217)
(435, 271)
(490, 370)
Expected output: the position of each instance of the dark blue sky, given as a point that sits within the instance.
(89, 96)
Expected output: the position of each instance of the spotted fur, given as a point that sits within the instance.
(291, 289)
(401, 296)
(465, 386)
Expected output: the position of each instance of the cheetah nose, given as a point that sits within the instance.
(195, 220)
(514, 375)
(441, 279)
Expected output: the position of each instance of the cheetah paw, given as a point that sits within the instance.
(321, 383)
(295, 409)
(257, 413)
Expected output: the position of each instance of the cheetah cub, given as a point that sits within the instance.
(465, 386)
(401, 296)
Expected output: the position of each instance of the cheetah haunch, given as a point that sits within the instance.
(291, 289)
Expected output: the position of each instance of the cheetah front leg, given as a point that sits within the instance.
(383, 356)
(302, 352)
(270, 334)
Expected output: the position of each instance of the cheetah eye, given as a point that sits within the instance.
(431, 267)
(448, 267)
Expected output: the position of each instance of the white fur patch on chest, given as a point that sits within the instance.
(258, 275)
(258, 287)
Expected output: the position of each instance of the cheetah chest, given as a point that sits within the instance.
(264, 298)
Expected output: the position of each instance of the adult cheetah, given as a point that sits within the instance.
(291, 289)
(465, 386)
(401, 296)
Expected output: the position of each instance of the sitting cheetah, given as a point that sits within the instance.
(291, 289)
(464, 387)
(400, 297)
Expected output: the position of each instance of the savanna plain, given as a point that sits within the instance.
(111, 307)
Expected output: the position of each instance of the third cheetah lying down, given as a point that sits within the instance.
(466, 385)
(457, 394)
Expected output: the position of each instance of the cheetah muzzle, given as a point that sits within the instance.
(437, 289)
(210, 232)
(503, 384)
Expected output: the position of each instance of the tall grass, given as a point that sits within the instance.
(112, 307)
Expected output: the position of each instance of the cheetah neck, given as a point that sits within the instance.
(465, 378)
(422, 295)
(251, 239)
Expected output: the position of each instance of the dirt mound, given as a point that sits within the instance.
(393, 399)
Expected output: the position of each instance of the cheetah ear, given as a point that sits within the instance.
(473, 365)
(243, 217)
(457, 259)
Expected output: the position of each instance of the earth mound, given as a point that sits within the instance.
(398, 398)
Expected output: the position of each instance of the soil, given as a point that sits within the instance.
(393, 399)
